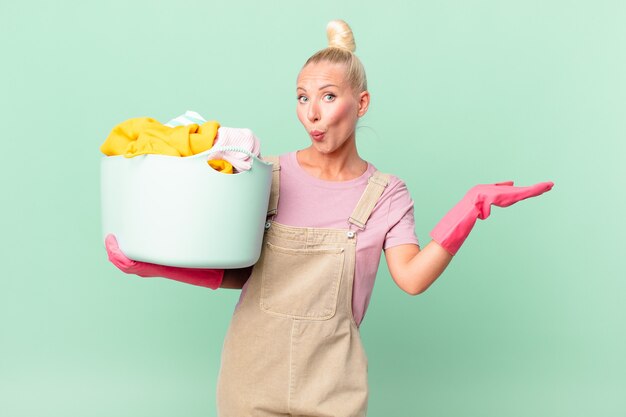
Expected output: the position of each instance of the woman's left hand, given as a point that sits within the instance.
(502, 194)
(456, 225)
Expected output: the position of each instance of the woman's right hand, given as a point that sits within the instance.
(117, 257)
(211, 278)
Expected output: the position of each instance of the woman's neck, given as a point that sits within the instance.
(336, 166)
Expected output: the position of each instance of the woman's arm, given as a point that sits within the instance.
(235, 278)
(210, 278)
(414, 270)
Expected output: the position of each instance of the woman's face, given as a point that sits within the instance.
(328, 107)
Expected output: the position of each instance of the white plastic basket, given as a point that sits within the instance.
(179, 211)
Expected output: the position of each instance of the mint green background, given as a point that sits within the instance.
(529, 319)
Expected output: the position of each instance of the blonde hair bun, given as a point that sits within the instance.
(340, 35)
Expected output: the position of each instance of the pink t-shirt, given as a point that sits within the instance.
(307, 201)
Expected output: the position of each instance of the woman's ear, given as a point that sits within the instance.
(364, 102)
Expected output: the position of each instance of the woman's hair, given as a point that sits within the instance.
(340, 50)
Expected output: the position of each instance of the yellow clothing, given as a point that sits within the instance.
(222, 166)
(144, 135)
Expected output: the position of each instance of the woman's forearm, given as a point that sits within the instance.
(235, 278)
(414, 270)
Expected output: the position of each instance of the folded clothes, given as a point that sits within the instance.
(145, 135)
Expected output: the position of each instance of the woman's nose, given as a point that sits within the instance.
(313, 114)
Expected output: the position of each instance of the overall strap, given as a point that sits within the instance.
(273, 204)
(376, 184)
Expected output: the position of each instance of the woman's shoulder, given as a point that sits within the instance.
(394, 182)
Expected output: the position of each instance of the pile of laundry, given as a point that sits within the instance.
(186, 135)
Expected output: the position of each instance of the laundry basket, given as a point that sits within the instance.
(179, 211)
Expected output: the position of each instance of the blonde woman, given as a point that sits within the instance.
(293, 345)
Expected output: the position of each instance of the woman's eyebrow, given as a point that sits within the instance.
(321, 88)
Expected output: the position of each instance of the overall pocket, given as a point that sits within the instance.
(301, 283)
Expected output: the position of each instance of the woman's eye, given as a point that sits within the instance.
(329, 97)
(302, 99)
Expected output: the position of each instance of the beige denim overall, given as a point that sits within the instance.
(293, 347)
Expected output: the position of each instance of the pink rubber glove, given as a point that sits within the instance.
(456, 225)
(211, 278)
